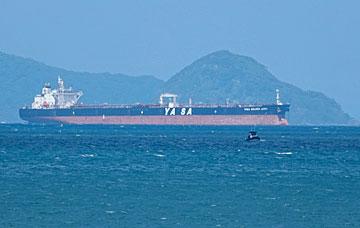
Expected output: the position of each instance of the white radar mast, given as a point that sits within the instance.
(278, 102)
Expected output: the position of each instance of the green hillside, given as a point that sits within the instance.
(213, 78)
(222, 75)
(22, 78)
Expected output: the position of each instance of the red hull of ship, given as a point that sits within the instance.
(172, 120)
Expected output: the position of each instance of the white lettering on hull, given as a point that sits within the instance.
(183, 111)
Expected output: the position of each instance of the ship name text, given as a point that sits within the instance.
(183, 111)
(255, 109)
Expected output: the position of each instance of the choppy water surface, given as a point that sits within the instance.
(114, 176)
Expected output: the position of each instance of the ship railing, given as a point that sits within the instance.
(165, 106)
(160, 106)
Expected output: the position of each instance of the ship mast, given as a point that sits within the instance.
(61, 86)
(278, 102)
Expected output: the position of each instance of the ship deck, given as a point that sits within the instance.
(80, 106)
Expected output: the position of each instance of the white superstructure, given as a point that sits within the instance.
(57, 98)
(171, 99)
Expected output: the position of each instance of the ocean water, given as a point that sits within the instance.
(127, 176)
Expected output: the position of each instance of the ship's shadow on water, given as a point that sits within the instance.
(157, 176)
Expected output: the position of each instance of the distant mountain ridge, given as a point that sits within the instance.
(223, 75)
(211, 79)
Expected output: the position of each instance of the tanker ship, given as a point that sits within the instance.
(61, 106)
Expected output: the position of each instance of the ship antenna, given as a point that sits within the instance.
(278, 102)
(60, 84)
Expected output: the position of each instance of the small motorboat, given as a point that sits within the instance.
(252, 136)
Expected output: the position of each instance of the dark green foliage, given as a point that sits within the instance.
(222, 75)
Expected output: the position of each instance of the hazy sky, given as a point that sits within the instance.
(312, 44)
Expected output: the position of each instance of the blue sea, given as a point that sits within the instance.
(138, 176)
